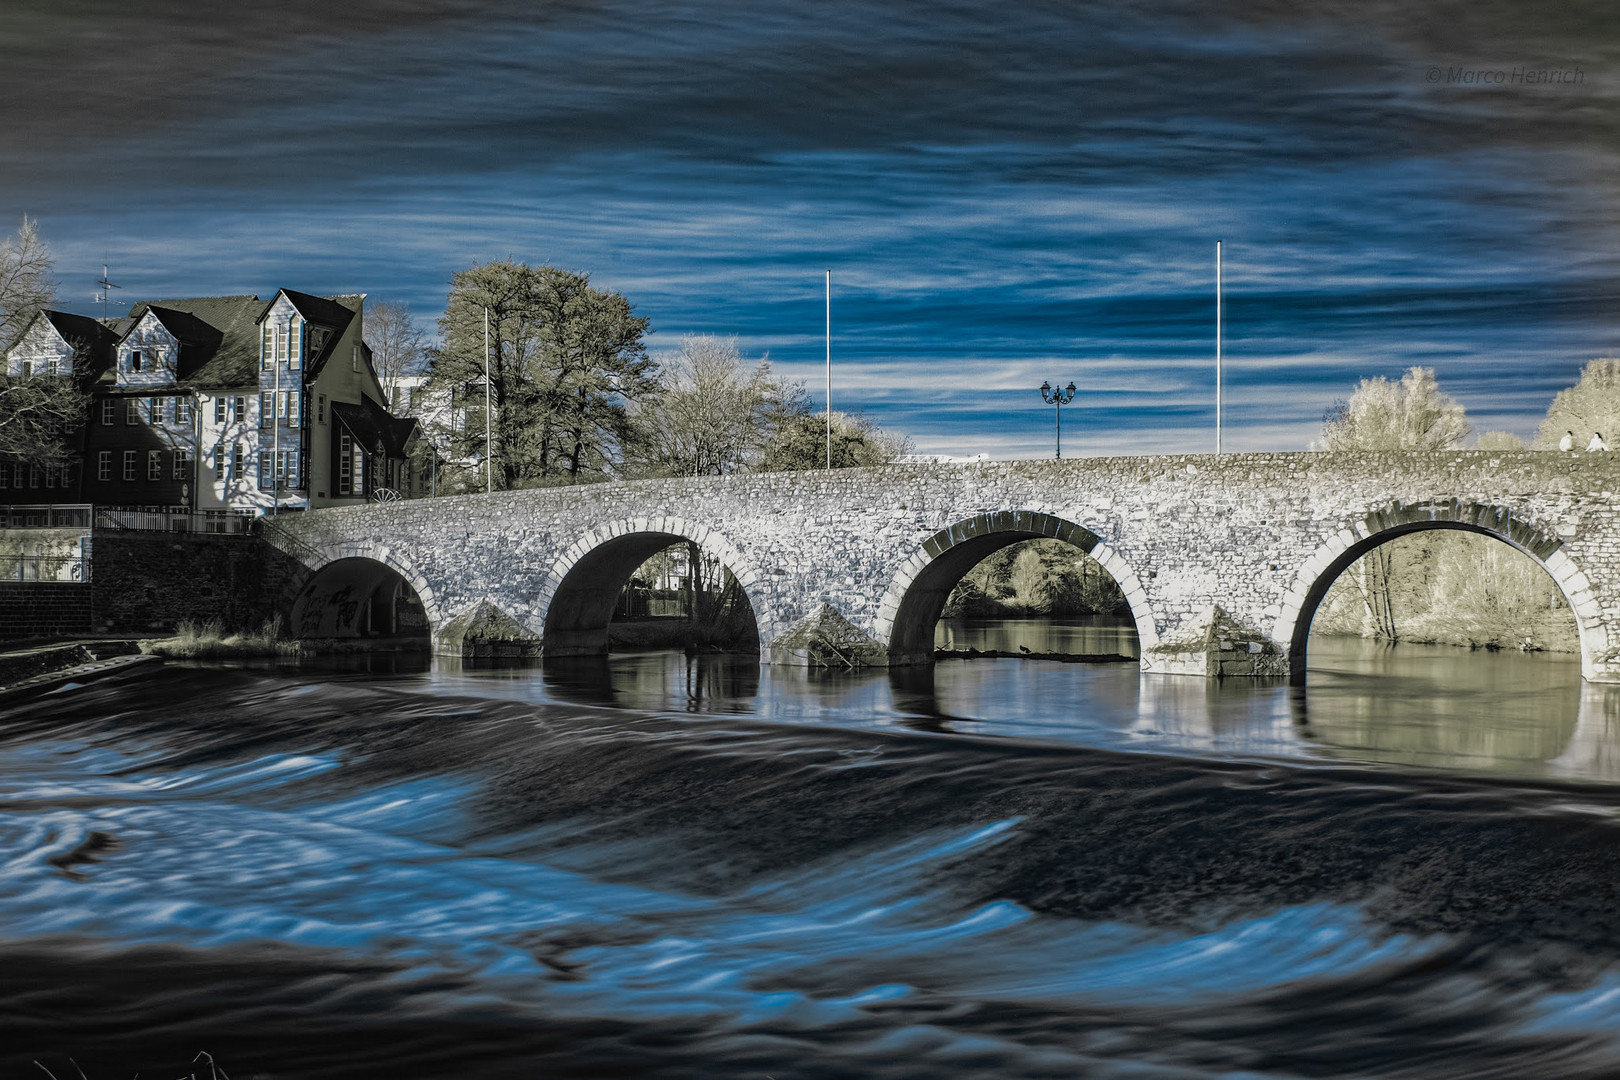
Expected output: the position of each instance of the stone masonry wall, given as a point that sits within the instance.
(44, 609)
(149, 582)
(1236, 541)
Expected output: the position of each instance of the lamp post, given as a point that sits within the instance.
(1057, 399)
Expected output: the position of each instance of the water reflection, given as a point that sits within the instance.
(1095, 635)
(1429, 707)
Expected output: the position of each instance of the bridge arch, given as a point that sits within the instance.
(578, 594)
(1332, 558)
(358, 566)
(913, 603)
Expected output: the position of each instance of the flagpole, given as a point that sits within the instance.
(489, 450)
(829, 369)
(1218, 346)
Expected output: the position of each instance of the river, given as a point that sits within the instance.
(659, 866)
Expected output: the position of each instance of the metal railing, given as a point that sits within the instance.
(173, 521)
(46, 516)
(44, 568)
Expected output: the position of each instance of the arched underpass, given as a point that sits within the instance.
(358, 597)
(1438, 643)
(718, 614)
(1447, 582)
(954, 552)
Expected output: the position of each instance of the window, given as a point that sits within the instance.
(182, 411)
(267, 409)
(219, 463)
(27, 368)
(236, 461)
(129, 464)
(51, 473)
(135, 360)
(132, 410)
(267, 347)
(267, 470)
(17, 475)
(104, 465)
(281, 345)
(219, 410)
(109, 411)
(182, 465)
(345, 464)
(53, 366)
(320, 409)
(295, 334)
(154, 410)
(294, 408)
(154, 464)
(5, 475)
(33, 476)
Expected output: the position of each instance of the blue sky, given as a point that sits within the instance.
(1005, 193)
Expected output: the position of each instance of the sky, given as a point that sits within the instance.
(1005, 193)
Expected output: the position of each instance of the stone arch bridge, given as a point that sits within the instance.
(1223, 559)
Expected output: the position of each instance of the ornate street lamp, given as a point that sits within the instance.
(1057, 399)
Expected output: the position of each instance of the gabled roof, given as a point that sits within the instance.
(326, 310)
(375, 428)
(333, 312)
(92, 341)
(218, 335)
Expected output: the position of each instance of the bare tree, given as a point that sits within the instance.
(39, 415)
(26, 284)
(713, 414)
(398, 346)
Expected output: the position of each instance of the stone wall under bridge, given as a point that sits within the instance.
(1223, 559)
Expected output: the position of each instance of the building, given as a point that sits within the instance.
(220, 405)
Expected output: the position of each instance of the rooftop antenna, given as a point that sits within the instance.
(101, 294)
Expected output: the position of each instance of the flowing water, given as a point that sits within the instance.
(656, 866)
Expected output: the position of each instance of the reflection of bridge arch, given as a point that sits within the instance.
(314, 607)
(578, 595)
(911, 607)
(1293, 626)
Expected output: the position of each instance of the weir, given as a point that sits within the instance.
(1223, 559)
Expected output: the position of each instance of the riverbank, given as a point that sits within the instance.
(23, 664)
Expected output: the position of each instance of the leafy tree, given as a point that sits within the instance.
(1413, 414)
(800, 441)
(398, 345)
(26, 284)
(1591, 405)
(564, 360)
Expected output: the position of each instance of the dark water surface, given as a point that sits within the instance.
(655, 866)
